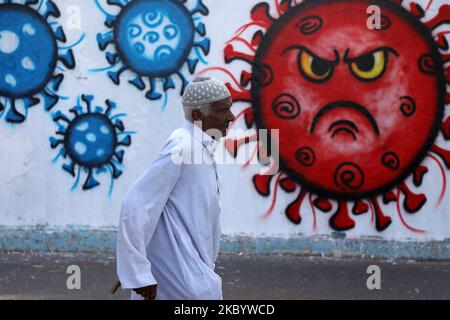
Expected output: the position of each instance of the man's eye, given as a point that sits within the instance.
(369, 66)
(314, 68)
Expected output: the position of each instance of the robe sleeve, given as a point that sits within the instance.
(141, 209)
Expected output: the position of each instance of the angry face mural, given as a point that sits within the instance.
(346, 98)
(357, 109)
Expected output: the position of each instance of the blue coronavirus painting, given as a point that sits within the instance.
(33, 56)
(93, 140)
(154, 39)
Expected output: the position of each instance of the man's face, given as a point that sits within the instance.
(218, 117)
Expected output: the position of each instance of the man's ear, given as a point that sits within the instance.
(197, 115)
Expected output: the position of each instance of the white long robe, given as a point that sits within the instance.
(169, 231)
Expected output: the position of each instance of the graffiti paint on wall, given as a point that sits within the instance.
(154, 39)
(358, 110)
(33, 57)
(92, 140)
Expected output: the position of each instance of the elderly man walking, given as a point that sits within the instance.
(169, 230)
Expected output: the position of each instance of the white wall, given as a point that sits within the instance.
(35, 191)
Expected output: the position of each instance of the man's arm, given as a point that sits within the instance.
(141, 210)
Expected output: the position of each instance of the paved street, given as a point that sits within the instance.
(43, 276)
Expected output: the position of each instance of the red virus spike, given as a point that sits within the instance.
(440, 18)
(288, 185)
(238, 95)
(360, 207)
(413, 202)
(445, 129)
(293, 210)
(257, 38)
(284, 6)
(416, 10)
(323, 204)
(397, 2)
(232, 145)
(231, 55)
(447, 97)
(249, 118)
(399, 212)
(262, 184)
(246, 77)
(389, 196)
(274, 199)
(444, 154)
(444, 178)
(341, 220)
(441, 40)
(260, 13)
(381, 221)
(418, 175)
(313, 211)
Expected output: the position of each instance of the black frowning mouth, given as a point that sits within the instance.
(345, 126)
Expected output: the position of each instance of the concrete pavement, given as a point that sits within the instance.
(31, 275)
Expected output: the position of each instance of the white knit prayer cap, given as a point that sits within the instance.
(204, 90)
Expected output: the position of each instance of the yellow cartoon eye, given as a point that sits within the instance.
(369, 66)
(314, 68)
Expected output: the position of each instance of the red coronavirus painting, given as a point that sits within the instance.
(358, 109)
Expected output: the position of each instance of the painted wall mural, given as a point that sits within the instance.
(33, 57)
(358, 110)
(363, 113)
(154, 39)
(92, 140)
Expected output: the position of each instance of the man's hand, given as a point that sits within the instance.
(148, 293)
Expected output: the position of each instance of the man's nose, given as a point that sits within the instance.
(231, 116)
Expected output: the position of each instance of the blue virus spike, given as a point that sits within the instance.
(58, 116)
(204, 44)
(77, 110)
(119, 125)
(119, 155)
(138, 83)
(110, 107)
(183, 81)
(98, 109)
(115, 75)
(67, 59)
(49, 100)
(126, 141)
(30, 102)
(200, 28)
(87, 98)
(2, 108)
(90, 181)
(59, 34)
(168, 84)
(152, 94)
(116, 171)
(56, 81)
(200, 8)
(104, 40)
(112, 58)
(70, 168)
(110, 19)
(13, 116)
(51, 10)
(55, 142)
(192, 64)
